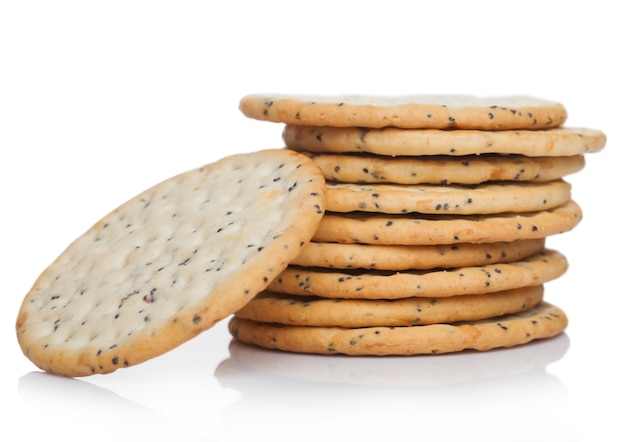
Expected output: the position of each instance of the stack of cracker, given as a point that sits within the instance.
(434, 236)
(397, 226)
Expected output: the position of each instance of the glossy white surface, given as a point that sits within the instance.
(100, 101)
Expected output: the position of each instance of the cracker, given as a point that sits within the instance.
(170, 263)
(562, 141)
(543, 321)
(470, 169)
(375, 284)
(413, 229)
(479, 199)
(399, 257)
(353, 313)
(319, 374)
(406, 111)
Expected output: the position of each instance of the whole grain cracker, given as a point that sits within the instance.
(413, 229)
(314, 372)
(470, 169)
(171, 262)
(375, 284)
(401, 257)
(406, 111)
(556, 142)
(543, 321)
(479, 199)
(353, 313)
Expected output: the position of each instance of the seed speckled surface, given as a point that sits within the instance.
(407, 229)
(369, 284)
(406, 111)
(556, 142)
(170, 262)
(543, 321)
(324, 312)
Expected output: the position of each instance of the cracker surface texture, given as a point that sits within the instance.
(407, 111)
(554, 142)
(439, 283)
(418, 229)
(171, 262)
(323, 312)
(543, 321)
(479, 199)
(398, 257)
(469, 169)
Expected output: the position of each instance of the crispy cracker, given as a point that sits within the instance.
(353, 313)
(399, 257)
(407, 111)
(376, 284)
(171, 262)
(543, 321)
(414, 229)
(469, 169)
(561, 141)
(479, 199)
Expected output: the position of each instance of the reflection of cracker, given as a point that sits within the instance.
(370, 284)
(171, 262)
(321, 312)
(410, 229)
(543, 321)
(407, 111)
(398, 257)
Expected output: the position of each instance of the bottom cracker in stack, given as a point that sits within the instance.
(375, 312)
(426, 247)
(543, 321)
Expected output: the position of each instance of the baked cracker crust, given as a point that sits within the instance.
(170, 263)
(353, 313)
(406, 111)
(543, 321)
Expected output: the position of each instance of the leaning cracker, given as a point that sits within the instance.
(470, 169)
(170, 263)
(479, 199)
(353, 313)
(561, 141)
(366, 228)
(399, 257)
(371, 284)
(406, 111)
(543, 321)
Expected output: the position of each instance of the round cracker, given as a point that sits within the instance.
(561, 141)
(543, 321)
(353, 313)
(317, 374)
(407, 229)
(406, 111)
(170, 263)
(480, 199)
(371, 284)
(470, 169)
(399, 257)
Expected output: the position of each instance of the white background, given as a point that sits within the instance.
(100, 100)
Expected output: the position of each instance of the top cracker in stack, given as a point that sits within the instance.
(430, 200)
